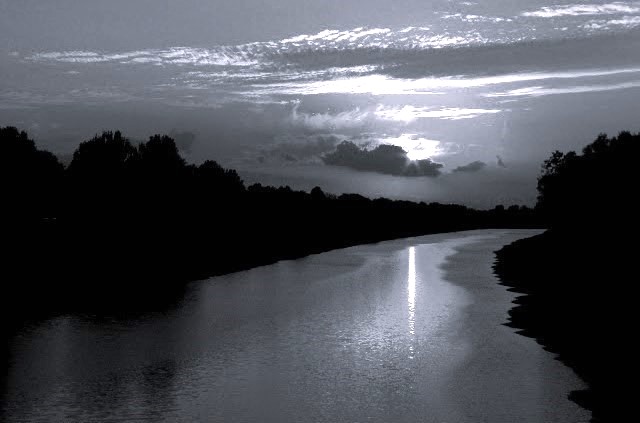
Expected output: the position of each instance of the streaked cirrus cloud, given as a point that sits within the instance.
(540, 91)
(584, 9)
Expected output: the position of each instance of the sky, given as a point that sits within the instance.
(450, 101)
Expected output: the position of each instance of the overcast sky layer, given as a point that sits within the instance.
(272, 87)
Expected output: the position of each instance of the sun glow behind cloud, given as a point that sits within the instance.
(417, 147)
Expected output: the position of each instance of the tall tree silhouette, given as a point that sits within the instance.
(128, 214)
(100, 178)
(595, 189)
(159, 158)
(577, 274)
(103, 157)
(213, 179)
(30, 177)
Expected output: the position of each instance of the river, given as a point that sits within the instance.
(401, 331)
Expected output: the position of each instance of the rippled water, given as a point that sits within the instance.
(403, 331)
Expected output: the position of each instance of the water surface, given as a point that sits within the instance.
(406, 331)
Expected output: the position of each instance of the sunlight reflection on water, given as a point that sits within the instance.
(411, 298)
(338, 336)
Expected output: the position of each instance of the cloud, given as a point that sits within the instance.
(625, 21)
(540, 91)
(335, 35)
(257, 54)
(319, 121)
(476, 18)
(471, 167)
(386, 159)
(379, 85)
(583, 9)
(410, 113)
(300, 150)
(416, 146)
(219, 56)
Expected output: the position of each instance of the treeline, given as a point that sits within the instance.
(132, 215)
(579, 274)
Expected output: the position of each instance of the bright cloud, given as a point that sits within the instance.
(625, 21)
(417, 147)
(410, 113)
(584, 9)
(384, 85)
(221, 56)
(543, 91)
(326, 121)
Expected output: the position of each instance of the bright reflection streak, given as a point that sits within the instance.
(411, 297)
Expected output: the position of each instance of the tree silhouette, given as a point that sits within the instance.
(577, 274)
(213, 177)
(594, 188)
(30, 177)
(159, 158)
(104, 157)
(128, 215)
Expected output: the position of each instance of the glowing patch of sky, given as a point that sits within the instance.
(417, 147)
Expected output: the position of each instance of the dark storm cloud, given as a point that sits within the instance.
(471, 167)
(386, 159)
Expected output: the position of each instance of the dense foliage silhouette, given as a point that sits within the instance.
(29, 176)
(123, 221)
(577, 273)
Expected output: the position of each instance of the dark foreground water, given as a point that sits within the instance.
(401, 331)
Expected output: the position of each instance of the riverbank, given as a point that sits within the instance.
(576, 304)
